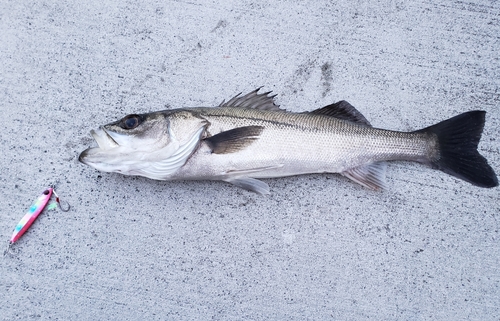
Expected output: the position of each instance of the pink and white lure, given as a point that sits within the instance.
(28, 219)
(35, 210)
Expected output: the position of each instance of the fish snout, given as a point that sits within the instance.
(83, 155)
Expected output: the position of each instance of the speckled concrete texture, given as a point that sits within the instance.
(319, 247)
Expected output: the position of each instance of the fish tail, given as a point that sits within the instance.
(457, 155)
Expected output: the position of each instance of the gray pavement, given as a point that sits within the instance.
(319, 247)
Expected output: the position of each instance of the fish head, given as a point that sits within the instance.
(153, 145)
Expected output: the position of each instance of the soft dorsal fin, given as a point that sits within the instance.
(252, 100)
(233, 140)
(342, 110)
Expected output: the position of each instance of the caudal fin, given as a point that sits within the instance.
(458, 138)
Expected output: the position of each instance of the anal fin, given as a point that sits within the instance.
(371, 176)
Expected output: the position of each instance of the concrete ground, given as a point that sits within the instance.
(319, 247)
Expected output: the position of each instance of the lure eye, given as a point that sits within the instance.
(46, 192)
(130, 121)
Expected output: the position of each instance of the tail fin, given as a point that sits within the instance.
(458, 138)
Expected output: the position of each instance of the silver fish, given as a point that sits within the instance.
(249, 137)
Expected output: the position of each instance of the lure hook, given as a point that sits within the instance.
(7, 250)
(68, 207)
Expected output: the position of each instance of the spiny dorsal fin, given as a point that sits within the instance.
(342, 110)
(371, 176)
(233, 140)
(253, 100)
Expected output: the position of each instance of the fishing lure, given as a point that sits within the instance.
(33, 212)
(31, 215)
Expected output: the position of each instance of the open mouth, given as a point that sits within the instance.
(103, 139)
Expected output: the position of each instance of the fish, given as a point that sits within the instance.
(250, 137)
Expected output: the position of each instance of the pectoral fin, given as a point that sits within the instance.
(371, 176)
(233, 140)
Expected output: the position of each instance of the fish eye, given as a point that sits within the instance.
(130, 121)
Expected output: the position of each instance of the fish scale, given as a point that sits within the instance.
(294, 144)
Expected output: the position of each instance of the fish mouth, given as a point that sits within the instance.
(104, 142)
(103, 139)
